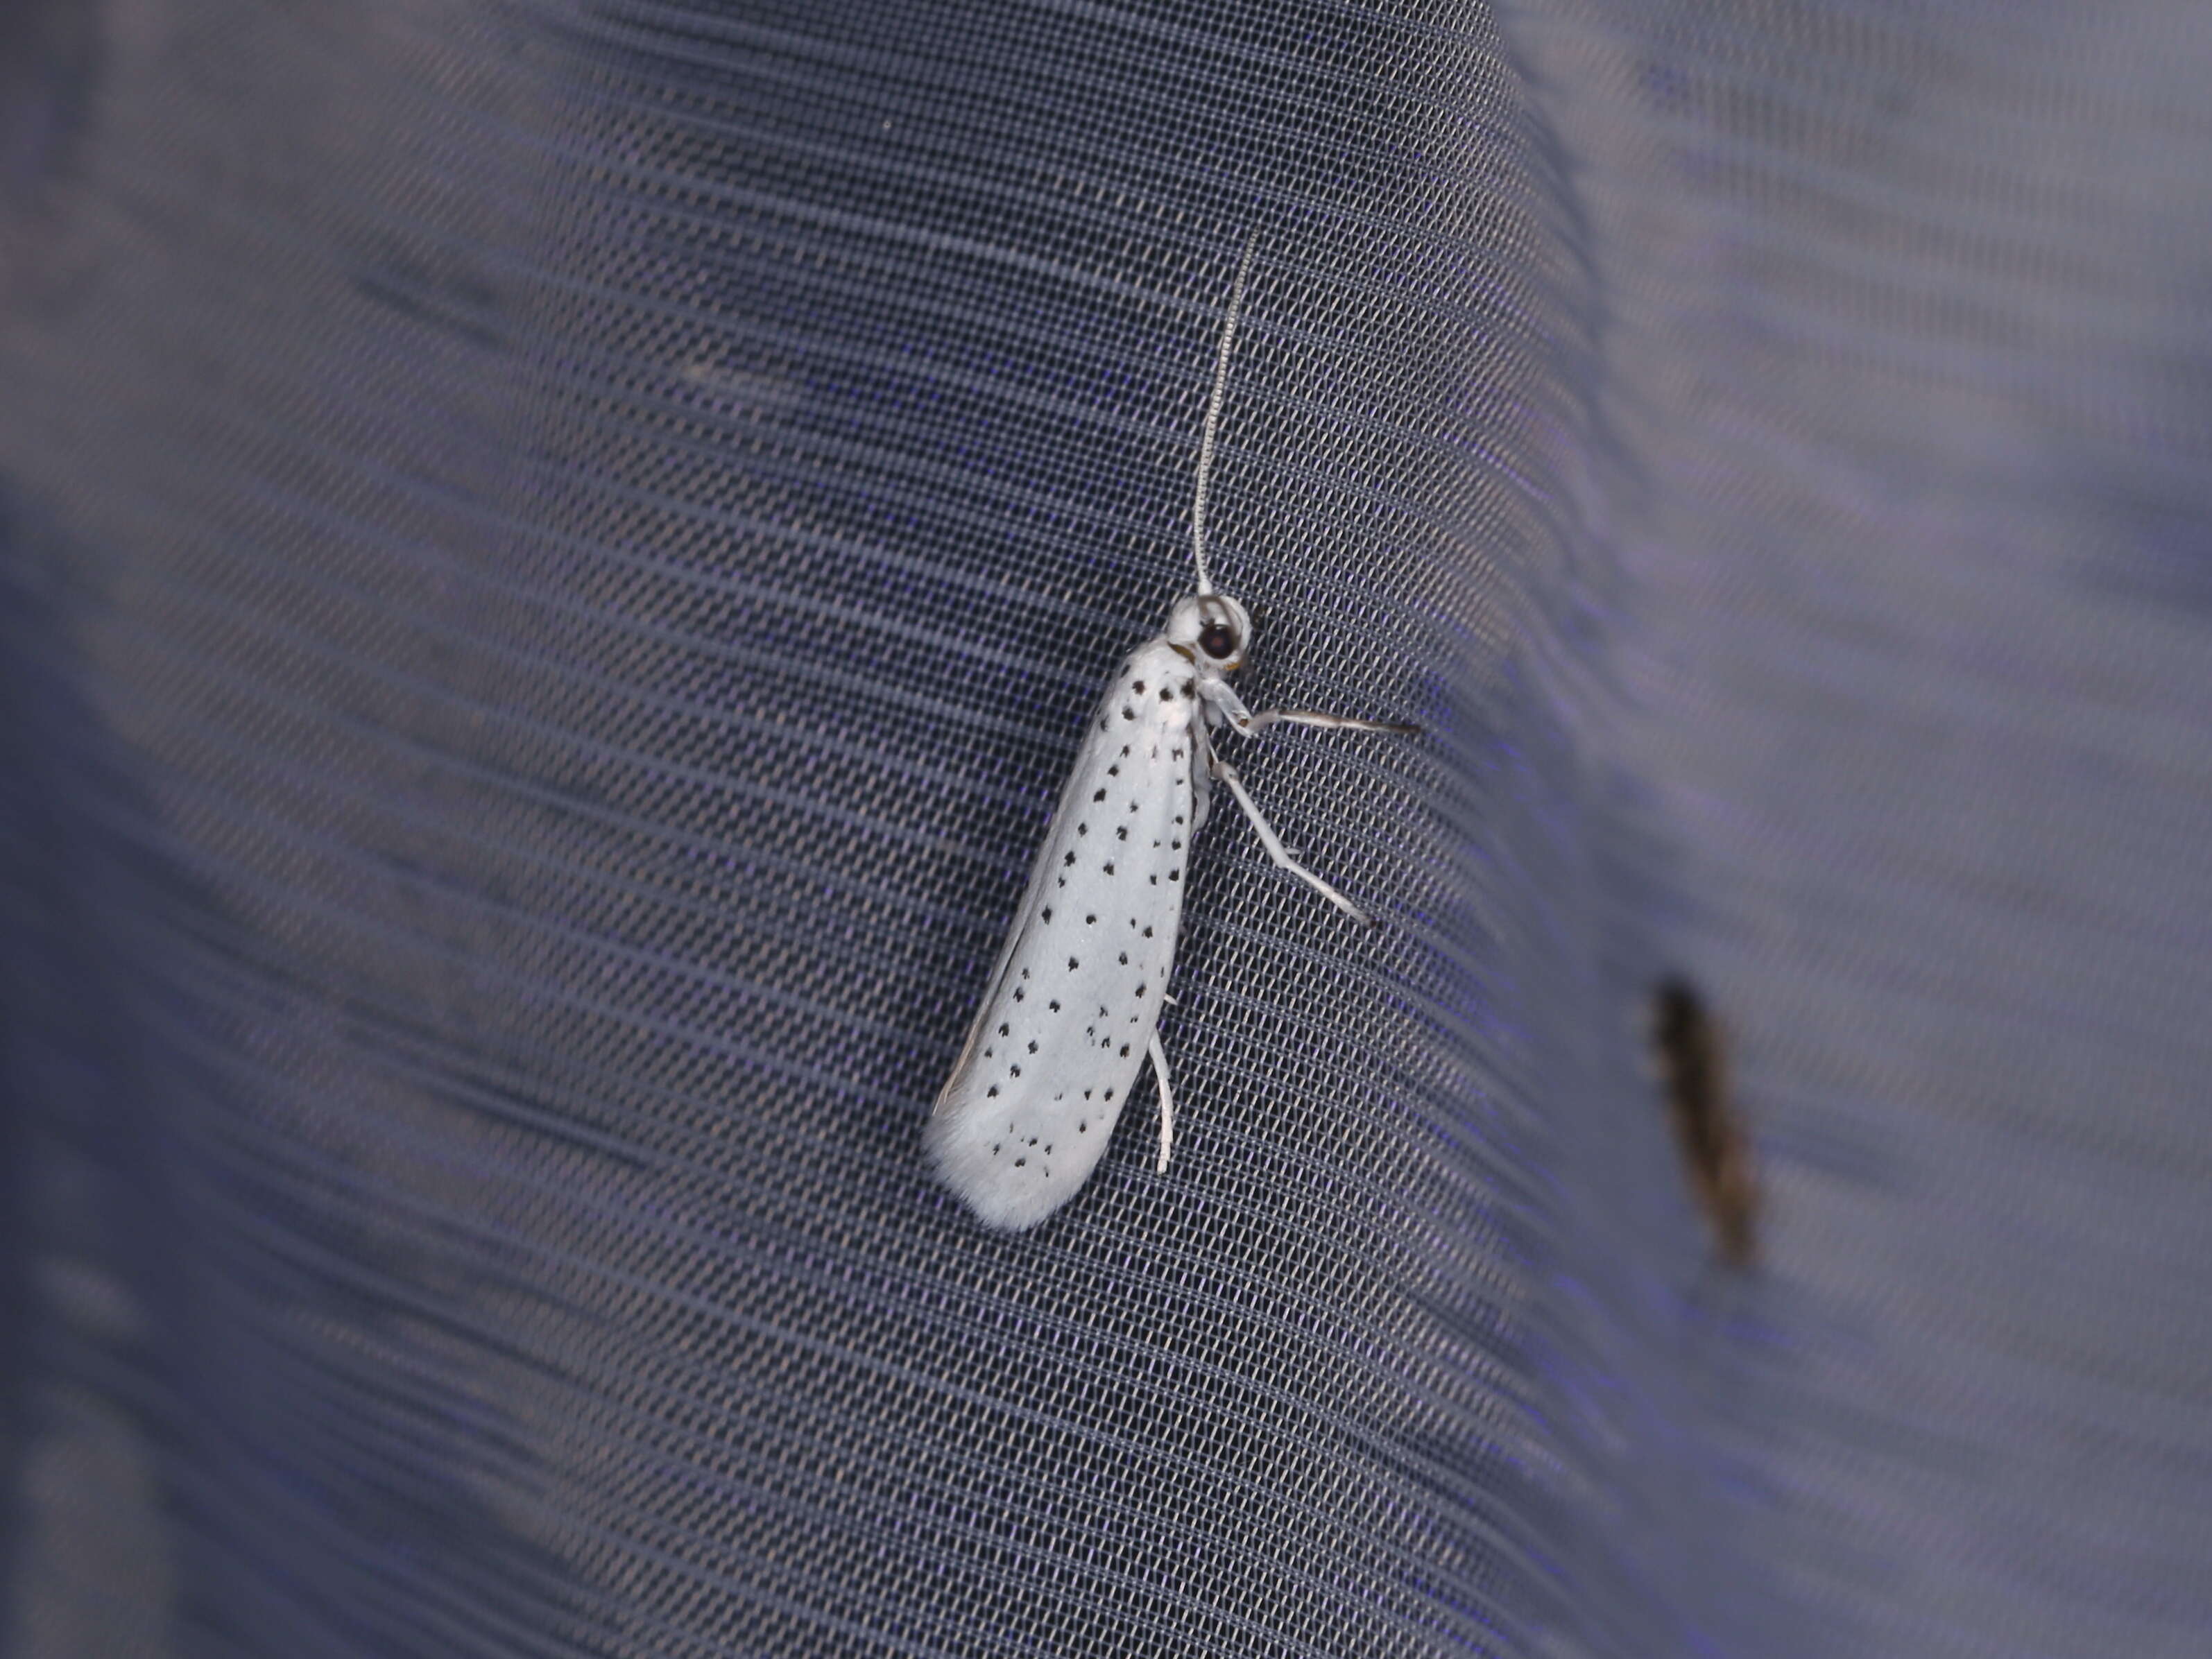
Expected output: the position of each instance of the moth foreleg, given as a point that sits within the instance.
(1224, 698)
(1267, 717)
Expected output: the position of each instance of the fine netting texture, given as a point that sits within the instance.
(556, 557)
(584, 612)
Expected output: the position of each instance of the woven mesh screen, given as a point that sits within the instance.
(556, 557)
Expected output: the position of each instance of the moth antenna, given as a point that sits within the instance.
(1213, 415)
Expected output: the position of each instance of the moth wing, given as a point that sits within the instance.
(1041, 881)
(1059, 1041)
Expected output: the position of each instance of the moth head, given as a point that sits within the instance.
(1212, 630)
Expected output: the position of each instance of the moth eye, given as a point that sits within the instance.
(1217, 641)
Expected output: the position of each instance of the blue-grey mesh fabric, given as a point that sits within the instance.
(554, 555)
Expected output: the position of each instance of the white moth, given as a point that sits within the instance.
(1074, 1007)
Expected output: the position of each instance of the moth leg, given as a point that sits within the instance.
(1201, 779)
(1167, 1101)
(1227, 773)
(1224, 698)
(1267, 717)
